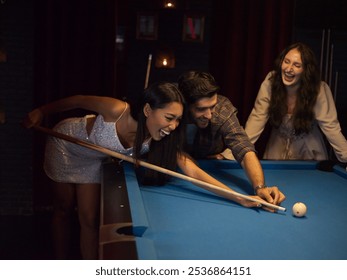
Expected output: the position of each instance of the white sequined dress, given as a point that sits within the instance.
(67, 162)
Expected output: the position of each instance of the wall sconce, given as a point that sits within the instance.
(165, 59)
(169, 4)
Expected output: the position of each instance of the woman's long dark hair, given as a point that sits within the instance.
(303, 115)
(162, 153)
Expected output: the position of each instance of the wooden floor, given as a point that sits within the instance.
(29, 238)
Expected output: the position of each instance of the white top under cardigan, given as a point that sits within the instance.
(283, 144)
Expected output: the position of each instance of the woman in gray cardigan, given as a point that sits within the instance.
(299, 107)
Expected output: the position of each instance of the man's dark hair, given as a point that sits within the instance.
(195, 85)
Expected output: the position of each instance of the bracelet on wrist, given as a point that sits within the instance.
(256, 188)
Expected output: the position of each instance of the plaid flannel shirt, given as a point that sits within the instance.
(224, 131)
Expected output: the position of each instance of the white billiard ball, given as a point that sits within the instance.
(299, 209)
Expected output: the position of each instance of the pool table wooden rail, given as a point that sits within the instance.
(116, 240)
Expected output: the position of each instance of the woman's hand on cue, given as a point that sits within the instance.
(33, 118)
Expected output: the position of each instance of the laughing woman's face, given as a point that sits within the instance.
(161, 122)
(292, 68)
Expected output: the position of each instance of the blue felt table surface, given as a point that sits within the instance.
(182, 221)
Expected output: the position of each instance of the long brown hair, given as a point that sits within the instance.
(162, 153)
(303, 115)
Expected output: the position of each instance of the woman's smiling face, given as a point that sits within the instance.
(292, 68)
(161, 122)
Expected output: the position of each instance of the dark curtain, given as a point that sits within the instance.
(247, 35)
(74, 53)
(74, 48)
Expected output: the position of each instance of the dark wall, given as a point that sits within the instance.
(324, 28)
(16, 83)
(320, 13)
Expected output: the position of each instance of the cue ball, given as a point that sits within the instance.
(299, 209)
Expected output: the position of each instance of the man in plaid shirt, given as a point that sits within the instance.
(213, 130)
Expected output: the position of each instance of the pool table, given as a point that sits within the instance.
(180, 221)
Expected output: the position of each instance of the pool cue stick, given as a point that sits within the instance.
(207, 186)
(148, 70)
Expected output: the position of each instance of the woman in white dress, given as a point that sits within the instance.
(299, 107)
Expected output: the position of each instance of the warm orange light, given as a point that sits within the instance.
(165, 61)
(164, 57)
(169, 4)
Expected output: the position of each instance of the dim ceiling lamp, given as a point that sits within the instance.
(169, 4)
